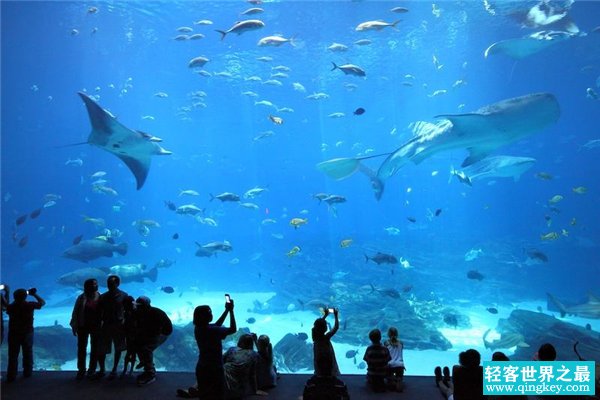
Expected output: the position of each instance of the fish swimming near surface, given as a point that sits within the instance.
(507, 340)
(590, 309)
(382, 258)
(134, 148)
(480, 132)
(91, 249)
(243, 26)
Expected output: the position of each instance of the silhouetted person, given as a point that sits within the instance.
(20, 331)
(4, 301)
(547, 352)
(85, 324)
(112, 317)
(209, 369)
(322, 346)
(130, 336)
(396, 364)
(239, 365)
(153, 327)
(467, 378)
(266, 374)
(323, 385)
(377, 357)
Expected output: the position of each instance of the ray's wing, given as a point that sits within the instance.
(133, 148)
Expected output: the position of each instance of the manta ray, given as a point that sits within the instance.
(134, 148)
(524, 47)
(480, 132)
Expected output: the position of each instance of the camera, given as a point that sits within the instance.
(2, 287)
(331, 310)
(227, 299)
(32, 291)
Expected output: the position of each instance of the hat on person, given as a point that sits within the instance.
(143, 301)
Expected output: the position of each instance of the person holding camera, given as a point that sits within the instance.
(209, 369)
(322, 346)
(20, 331)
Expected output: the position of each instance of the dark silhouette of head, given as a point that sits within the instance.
(319, 328)
(202, 315)
(245, 342)
(262, 343)
(375, 336)
(142, 303)
(113, 282)
(471, 358)
(20, 295)
(90, 286)
(500, 356)
(546, 352)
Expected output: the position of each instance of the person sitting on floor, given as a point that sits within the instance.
(467, 378)
(266, 373)
(322, 346)
(377, 357)
(500, 356)
(323, 385)
(239, 365)
(396, 364)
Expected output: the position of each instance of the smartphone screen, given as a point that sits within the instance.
(1, 287)
(227, 299)
(331, 310)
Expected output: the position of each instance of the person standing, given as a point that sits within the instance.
(4, 301)
(112, 325)
(85, 324)
(153, 327)
(20, 331)
(209, 369)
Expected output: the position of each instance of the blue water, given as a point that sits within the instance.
(126, 52)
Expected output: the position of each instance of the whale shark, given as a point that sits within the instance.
(134, 148)
(590, 309)
(480, 132)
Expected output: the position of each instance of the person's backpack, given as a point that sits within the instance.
(325, 388)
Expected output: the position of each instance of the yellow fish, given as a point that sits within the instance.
(276, 120)
(345, 243)
(295, 250)
(580, 190)
(296, 222)
(555, 199)
(549, 236)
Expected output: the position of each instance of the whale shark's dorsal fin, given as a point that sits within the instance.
(132, 147)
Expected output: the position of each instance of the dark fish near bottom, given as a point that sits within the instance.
(20, 220)
(359, 111)
(35, 213)
(175, 236)
(77, 239)
(23, 241)
(473, 274)
(167, 289)
(492, 310)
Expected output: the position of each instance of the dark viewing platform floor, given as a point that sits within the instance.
(63, 386)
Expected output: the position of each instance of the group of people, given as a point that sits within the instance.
(103, 320)
(115, 319)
